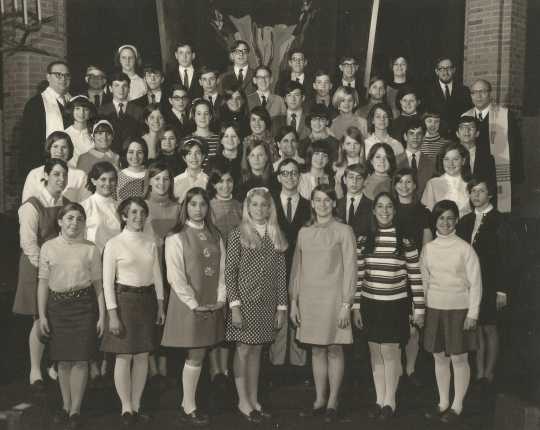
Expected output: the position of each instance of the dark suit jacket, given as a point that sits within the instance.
(426, 170)
(33, 129)
(291, 229)
(130, 125)
(285, 77)
(173, 77)
(144, 101)
(460, 101)
(228, 79)
(182, 129)
(362, 215)
(280, 121)
(104, 99)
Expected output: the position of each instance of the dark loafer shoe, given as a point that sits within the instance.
(253, 417)
(265, 415)
(74, 422)
(386, 413)
(450, 417)
(374, 411)
(313, 412)
(128, 420)
(434, 413)
(195, 418)
(142, 416)
(331, 416)
(60, 417)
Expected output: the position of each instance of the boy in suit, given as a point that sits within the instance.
(239, 73)
(125, 116)
(97, 92)
(273, 103)
(153, 77)
(295, 115)
(178, 114)
(296, 72)
(184, 73)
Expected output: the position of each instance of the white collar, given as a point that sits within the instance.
(484, 112)
(182, 68)
(195, 225)
(484, 211)
(356, 198)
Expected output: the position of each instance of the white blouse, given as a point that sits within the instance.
(102, 221)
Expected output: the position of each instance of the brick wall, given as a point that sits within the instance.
(22, 72)
(495, 41)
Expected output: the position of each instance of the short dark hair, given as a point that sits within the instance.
(124, 205)
(467, 119)
(292, 86)
(119, 77)
(239, 42)
(403, 91)
(262, 113)
(177, 87)
(184, 42)
(262, 67)
(284, 131)
(56, 63)
(359, 168)
(68, 207)
(413, 124)
(203, 70)
(125, 147)
(58, 135)
(475, 180)
(51, 162)
(286, 161)
(293, 51)
(96, 171)
(190, 143)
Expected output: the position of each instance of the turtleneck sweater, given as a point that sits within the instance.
(451, 275)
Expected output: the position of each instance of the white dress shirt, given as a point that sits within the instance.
(53, 115)
(295, 199)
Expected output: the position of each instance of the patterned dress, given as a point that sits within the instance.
(255, 278)
(129, 185)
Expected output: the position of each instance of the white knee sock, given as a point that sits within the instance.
(442, 374)
(377, 367)
(392, 371)
(462, 375)
(190, 379)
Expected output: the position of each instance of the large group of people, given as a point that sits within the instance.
(247, 218)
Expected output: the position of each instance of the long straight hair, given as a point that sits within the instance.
(249, 237)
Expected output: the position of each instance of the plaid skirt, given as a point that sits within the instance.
(73, 317)
(137, 311)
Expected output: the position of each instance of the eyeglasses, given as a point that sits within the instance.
(349, 64)
(153, 75)
(100, 77)
(445, 68)
(59, 75)
(297, 59)
(263, 77)
(241, 51)
(481, 92)
(289, 174)
(178, 98)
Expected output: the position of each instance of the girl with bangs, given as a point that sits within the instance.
(255, 277)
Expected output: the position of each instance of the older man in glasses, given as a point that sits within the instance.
(43, 114)
(447, 96)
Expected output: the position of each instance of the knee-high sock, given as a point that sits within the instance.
(78, 380)
(64, 376)
(138, 379)
(122, 380)
(462, 375)
(377, 367)
(392, 371)
(190, 379)
(442, 374)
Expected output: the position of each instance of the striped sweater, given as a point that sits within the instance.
(384, 276)
(433, 144)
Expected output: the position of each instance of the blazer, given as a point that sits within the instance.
(182, 128)
(173, 77)
(106, 97)
(291, 229)
(144, 101)
(227, 79)
(362, 215)
(460, 101)
(129, 126)
(302, 129)
(33, 130)
(274, 104)
(285, 77)
(426, 170)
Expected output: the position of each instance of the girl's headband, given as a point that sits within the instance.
(129, 47)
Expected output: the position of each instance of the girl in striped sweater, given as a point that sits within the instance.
(387, 264)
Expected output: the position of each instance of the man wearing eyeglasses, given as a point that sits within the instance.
(153, 78)
(184, 71)
(240, 73)
(349, 76)
(293, 211)
(177, 115)
(498, 135)
(43, 114)
(273, 103)
(297, 72)
(447, 96)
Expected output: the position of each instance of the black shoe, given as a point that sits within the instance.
(74, 422)
(60, 417)
(195, 418)
(265, 415)
(313, 412)
(142, 416)
(386, 413)
(450, 417)
(253, 417)
(374, 411)
(414, 381)
(434, 413)
(128, 420)
(37, 387)
(330, 416)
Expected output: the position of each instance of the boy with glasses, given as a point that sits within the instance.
(273, 103)
(240, 73)
(297, 71)
(348, 67)
(96, 80)
(153, 77)
(178, 114)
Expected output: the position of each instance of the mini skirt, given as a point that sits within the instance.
(386, 321)
(73, 317)
(443, 332)
(137, 311)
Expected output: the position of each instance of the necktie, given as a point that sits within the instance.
(351, 212)
(289, 209)
(120, 110)
(210, 100)
(298, 80)
(153, 97)
(97, 101)
(240, 76)
(263, 101)
(183, 118)
(186, 79)
(480, 116)
(349, 85)
(414, 165)
(293, 121)
(446, 92)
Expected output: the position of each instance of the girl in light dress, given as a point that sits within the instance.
(350, 151)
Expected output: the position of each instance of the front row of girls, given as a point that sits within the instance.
(251, 278)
